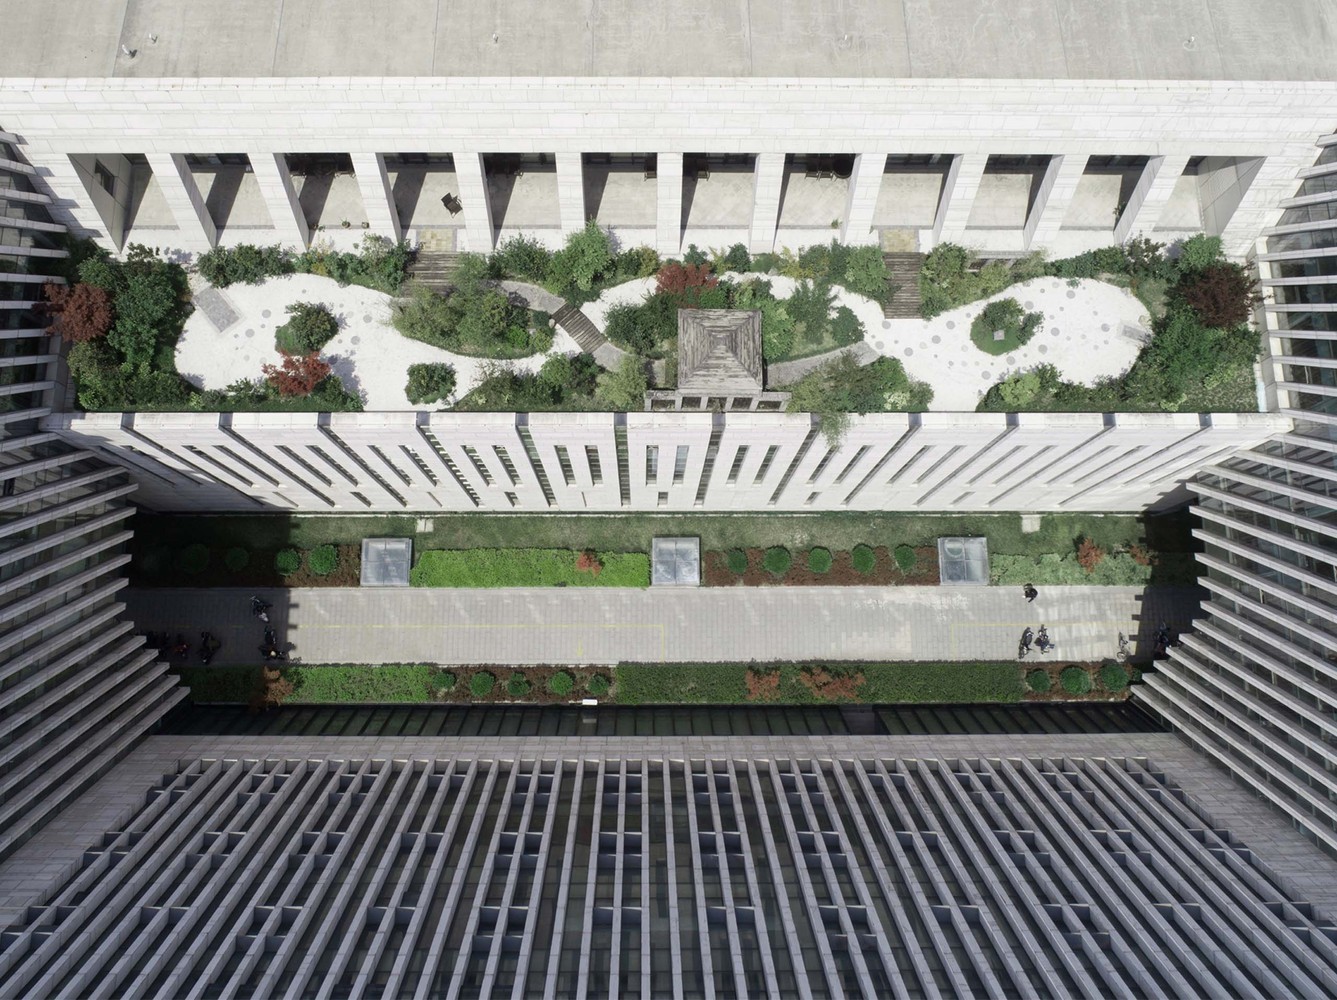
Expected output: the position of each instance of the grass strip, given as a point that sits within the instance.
(339, 684)
(882, 683)
(526, 568)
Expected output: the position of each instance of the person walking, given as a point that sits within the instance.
(1030, 592)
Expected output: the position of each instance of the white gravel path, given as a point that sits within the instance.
(368, 353)
(1082, 334)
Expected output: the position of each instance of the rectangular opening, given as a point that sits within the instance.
(596, 470)
(564, 460)
(651, 463)
(680, 464)
(766, 463)
(739, 457)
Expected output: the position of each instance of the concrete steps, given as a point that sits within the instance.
(582, 331)
(903, 282)
(433, 268)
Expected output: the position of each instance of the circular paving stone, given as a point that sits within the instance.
(355, 340)
(951, 324)
(1030, 304)
(366, 318)
(1104, 328)
(886, 324)
(936, 339)
(909, 351)
(1043, 348)
(250, 333)
(1071, 294)
(1053, 331)
(985, 375)
(1011, 360)
(264, 313)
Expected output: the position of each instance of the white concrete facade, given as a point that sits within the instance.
(569, 461)
(1270, 126)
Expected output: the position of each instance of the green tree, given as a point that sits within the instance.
(623, 389)
(429, 383)
(310, 328)
(587, 254)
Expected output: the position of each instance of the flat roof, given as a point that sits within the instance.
(1227, 40)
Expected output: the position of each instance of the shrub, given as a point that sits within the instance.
(864, 558)
(763, 685)
(737, 258)
(684, 283)
(587, 254)
(819, 560)
(597, 685)
(243, 264)
(1038, 681)
(445, 682)
(78, 313)
(481, 684)
(429, 383)
(1089, 555)
(1114, 676)
(589, 562)
(623, 389)
(193, 559)
(236, 559)
(1075, 680)
(287, 561)
(1007, 315)
(378, 263)
(845, 327)
(809, 305)
(1197, 253)
(905, 558)
(311, 327)
(323, 560)
(297, 375)
(834, 684)
(694, 255)
(517, 686)
(642, 329)
(523, 258)
(737, 561)
(842, 386)
(1222, 294)
(777, 560)
(866, 273)
(561, 683)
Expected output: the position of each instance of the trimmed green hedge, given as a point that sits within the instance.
(287, 561)
(777, 560)
(1038, 681)
(323, 560)
(561, 683)
(481, 684)
(864, 558)
(1075, 680)
(1114, 676)
(819, 560)
(737, 560)
(324, 685)
(597, 685)
(884, 683)
(526, 568)
(905, 558)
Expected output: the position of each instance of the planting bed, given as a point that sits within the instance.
(157, 565)
(841, 574)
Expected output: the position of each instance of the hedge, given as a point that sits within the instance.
(526, 568)
(1114, 676)
(193, 559)
(905, 558)
(323, 685)
(737, 560)
(777, 560)
(236, 559)
(517, 686)
(287, 561)
(1075, 680)
(597, 685)
(323, 560)
(1038, 681)
(561, 683)
(864, 558)
(819, 560)
(883, 683)
(481, 684)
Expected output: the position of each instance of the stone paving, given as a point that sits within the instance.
(606, 625)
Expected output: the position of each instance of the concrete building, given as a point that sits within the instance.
(1119, 864)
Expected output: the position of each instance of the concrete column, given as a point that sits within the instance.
(183, 198)
(276, 187)
(55, 175)
(472, 179)
(1060, 182)
(958, 196)
(377, 197)
(1268, 184)
(860, 202)
(571, 192)
(767, 180)
(668, 212)
(1150, 196)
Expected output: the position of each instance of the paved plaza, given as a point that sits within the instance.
(574, 625)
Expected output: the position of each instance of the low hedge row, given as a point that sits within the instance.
(817, 683)
(527, 568)
(323, 685)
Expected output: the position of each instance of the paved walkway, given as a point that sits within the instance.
(571, 625)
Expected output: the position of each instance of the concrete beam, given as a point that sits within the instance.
(1150, 196)
(378, 197)
(1060, 182)
(668, 210)
(767, 180)
(182, 194)
(861, 200)
(958, 197)
(571, 192)
(472, 179)
(276, 187)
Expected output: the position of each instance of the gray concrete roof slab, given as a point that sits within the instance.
(197, 39)
(814, 39)
(1122, 43)
(858, 38)
(960, 38)
(382, 38)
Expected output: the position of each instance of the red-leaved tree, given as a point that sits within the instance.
(298, 375)
(78, 312)
(589, 562)
(1222, 294)
(685, 282)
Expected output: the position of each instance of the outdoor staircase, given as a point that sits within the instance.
(433, 268)
(582, 331)
(903, 282)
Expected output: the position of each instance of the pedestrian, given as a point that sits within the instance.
(1030, 592)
